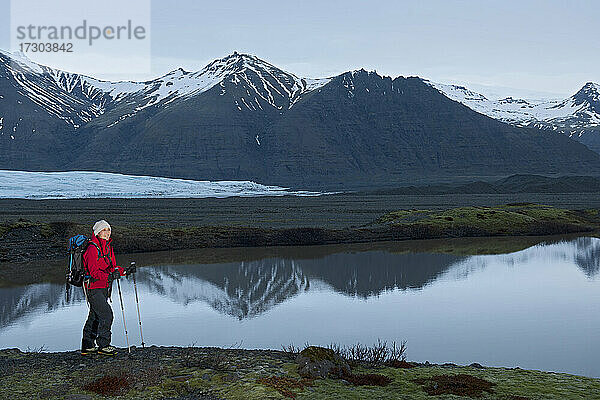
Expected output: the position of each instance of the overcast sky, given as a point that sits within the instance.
(540, 45)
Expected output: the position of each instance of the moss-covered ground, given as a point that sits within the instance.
(508, 219)
(211, 373)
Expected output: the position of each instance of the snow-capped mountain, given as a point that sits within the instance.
(35, 86)
(241, 118)
(577, 116)
(77, 99)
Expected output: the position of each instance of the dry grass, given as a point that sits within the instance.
(378, 354)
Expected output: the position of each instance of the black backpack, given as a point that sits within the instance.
(77, 271)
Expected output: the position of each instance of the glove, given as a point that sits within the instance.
(114, 275)
(132, 269)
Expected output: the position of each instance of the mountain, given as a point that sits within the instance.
(577, 116)
(241, 118)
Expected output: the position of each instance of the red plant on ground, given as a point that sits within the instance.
(368, 379)
(108, 385)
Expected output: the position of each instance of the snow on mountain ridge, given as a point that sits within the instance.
(31, 81)
(92, 87)
(548, 114)
(78, 99)
(274, 86)
(278, 88)
(274, 82)
(589, 93)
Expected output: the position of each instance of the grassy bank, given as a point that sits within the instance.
(212, 373)
(507, 219)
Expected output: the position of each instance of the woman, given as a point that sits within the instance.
(99, 259)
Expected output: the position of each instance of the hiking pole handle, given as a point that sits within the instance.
(131, 270)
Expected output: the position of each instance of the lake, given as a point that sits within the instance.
(535, 306)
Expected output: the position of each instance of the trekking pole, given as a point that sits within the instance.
(123, 312)
(137, 302)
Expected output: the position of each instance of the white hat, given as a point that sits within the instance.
(99, 226)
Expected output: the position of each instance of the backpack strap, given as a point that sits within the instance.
(86, 270)
(101, 254)
(97, 248)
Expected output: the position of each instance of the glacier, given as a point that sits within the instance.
(89, 184)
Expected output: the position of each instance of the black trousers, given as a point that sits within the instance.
(100, 318)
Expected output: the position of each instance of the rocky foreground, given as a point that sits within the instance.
(213, 373)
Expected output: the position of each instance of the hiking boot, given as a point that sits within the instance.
(108, 351)
(91, 350)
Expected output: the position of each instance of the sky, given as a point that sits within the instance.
(544, 46)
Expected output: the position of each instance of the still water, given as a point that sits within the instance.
(536, 307)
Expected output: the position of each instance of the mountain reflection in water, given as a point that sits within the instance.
(248, 288)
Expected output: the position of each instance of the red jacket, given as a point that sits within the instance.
(100, 264)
